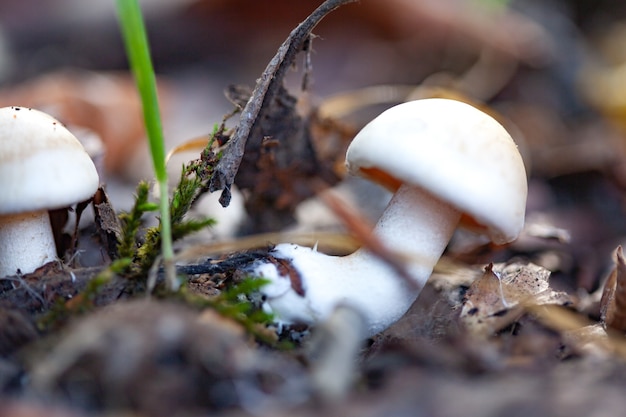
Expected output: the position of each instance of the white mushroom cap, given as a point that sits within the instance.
(453, 151)
(42, 165)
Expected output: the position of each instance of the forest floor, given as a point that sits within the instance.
(531, 328)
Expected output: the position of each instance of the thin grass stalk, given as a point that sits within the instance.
(138, 52)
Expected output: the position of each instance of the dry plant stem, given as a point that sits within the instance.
(358, 226)
(266, 88)
(26, 242)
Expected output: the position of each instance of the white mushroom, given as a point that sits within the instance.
(42, 167)
(447, 161)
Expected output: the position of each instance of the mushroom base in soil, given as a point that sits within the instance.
(414, 225)
(25, 242)
(444, 159)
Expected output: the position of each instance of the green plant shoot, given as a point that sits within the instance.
(138, 52)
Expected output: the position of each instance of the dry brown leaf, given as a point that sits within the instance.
(593, 340)
(500, 296)
(590, 340)
(613, 302)
(580, 335)
(107, 223)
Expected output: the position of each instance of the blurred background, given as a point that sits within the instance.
(554, 71)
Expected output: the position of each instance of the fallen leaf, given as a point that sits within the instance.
(500, 296)
(613, 301)
(107, 223)
(589, 340)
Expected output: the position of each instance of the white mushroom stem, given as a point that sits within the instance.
(26, 242)
(415, 225)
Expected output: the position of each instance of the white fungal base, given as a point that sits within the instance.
(414, 225)
(26, 242)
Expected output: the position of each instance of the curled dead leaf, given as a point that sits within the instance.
(613, 301)
(503, 293)
(107, 223)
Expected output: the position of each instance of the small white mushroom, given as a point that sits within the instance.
(42, 167)
(447, 162)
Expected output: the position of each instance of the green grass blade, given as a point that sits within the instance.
(138, 52)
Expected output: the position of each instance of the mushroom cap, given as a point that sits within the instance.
(42, 165)
(455, 152)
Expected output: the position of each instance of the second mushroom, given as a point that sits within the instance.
(42, 167)
(448, 164)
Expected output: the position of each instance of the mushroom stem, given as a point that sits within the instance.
(26, 242)
(415, 224)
